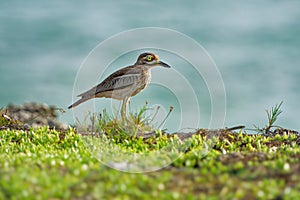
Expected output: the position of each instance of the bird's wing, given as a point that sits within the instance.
(117, 83)
(120, 79)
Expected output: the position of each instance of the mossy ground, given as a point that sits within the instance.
(49, 164)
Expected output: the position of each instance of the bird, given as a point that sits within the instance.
(125, 82)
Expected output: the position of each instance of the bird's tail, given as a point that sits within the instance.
(83, 99)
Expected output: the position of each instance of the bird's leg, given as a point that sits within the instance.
(123, 109)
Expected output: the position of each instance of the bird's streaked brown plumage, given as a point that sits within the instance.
(124, 83)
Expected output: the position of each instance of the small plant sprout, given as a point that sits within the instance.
(273, 115)
(272, 118)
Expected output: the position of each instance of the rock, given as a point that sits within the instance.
(36, 115)
(23, 115)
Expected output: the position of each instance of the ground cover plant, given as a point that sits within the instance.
(45, 163)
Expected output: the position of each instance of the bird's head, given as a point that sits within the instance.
(150, 60)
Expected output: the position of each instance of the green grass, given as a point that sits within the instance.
(47, 164)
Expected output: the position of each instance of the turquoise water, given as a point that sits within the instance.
(254, 44)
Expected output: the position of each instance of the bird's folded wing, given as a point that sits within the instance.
(109, 84)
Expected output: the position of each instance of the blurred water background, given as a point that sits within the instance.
(255, 44)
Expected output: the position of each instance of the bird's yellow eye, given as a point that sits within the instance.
(149, 58)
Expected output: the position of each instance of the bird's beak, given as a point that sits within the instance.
(164, 64)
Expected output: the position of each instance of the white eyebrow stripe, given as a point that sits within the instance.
(152, 62)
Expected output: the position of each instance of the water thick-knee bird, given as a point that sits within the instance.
(125, 82)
